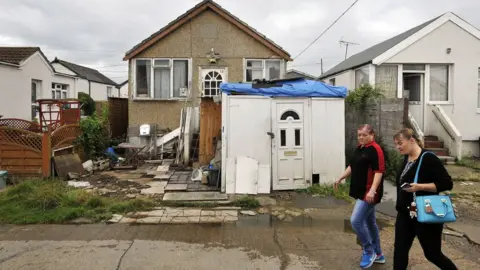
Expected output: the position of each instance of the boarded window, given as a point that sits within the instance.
(386, 78)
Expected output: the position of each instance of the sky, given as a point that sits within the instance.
(97, 33)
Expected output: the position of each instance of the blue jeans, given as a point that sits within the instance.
(364, 223)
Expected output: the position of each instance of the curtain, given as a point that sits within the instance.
(386, 78)
(362, 76)
(438, 83)
(143, 77)
(162, 83)
(180, 76)
(273, 70)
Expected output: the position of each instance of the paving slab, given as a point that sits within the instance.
(230, 213)
(115, 218)
(248, 213)
(191, 212)
(194, 196)
(156, 188)
(156, 213)
(179, 220)
(472, 232)
(163, 168)
(164, 176)
(127, 220)
(175, 187)
(166, 219)
(207, 213)
(149, 220)
(216, 219)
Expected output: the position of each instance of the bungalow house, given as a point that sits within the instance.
(123, 89)
(296, 74)
(25, 76)
(88, 80)
(436, 66)
(184, 63)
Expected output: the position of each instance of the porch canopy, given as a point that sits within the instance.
(285, 88)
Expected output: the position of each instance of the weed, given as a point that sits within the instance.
(325, 190)
(246, 202)
(52, 201)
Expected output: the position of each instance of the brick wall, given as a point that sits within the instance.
(386, 116)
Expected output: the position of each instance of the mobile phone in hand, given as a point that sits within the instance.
(406, 185)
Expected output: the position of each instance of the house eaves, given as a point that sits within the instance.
(195, 11)
(368, 55)
(86, 73)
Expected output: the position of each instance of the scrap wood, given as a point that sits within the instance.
(70, 163)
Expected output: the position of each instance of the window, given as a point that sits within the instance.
(362, 76)
(386, 78)
(109, 91)
(211, 84)
(332, 81)
(283, 137)
(298, 141)
(262, 69)
(439, 82)
(36, 88)
(59, 91)
(414, 67)
(170, 78)
(290, 114)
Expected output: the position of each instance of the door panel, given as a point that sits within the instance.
(288, 118)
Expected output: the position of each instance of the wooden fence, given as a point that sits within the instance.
(28, 154)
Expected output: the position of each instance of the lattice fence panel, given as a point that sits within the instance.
(21, 137)
(20, 124)
(65, 135)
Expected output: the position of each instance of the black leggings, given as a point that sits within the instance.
(429, 236)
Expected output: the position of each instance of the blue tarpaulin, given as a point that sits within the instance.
(286, 88)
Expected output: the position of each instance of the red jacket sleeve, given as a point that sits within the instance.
(377, 159)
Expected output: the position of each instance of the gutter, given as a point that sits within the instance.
(9, 64)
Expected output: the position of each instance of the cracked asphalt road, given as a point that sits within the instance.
(299, 246)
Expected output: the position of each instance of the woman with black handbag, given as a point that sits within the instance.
(432, 179)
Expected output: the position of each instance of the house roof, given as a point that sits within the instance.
(122, 83)
(15, 55)
(293, 73)
(193, 12)
(371, 53)
(85, 72)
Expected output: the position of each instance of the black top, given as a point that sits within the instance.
(431, 171)
(366, 161)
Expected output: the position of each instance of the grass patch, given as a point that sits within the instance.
(246, 202)
(329, 191)
(469, 163)
(53, 201)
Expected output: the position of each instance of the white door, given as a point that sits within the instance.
(210, 80)
(414, 83)
(289, 157)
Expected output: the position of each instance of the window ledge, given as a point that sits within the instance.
(159, 99)
(440, 103)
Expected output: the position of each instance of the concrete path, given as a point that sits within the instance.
(223, 246)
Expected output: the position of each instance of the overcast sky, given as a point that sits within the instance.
(97, 33)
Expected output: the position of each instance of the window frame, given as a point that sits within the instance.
(367, 67)
(110, 94)
(59, 89)
(449, 100)
(151, 92)
(264, 70)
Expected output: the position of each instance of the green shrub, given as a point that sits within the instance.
(362, 95)
(87, 104)
(95, 135)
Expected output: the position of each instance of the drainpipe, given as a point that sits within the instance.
(89, 89)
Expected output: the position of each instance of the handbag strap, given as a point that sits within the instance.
(415, 180)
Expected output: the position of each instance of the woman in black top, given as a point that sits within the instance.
(433, 178)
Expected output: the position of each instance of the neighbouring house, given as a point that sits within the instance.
(436, 65)
(25, 76)
(296, 74)
(123, 89)
(88, 80)
(183, 64)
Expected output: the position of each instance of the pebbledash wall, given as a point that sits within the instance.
(386, 116)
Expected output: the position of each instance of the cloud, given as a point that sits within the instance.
(97, 33)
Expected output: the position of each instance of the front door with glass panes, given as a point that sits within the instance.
(211, 80)
(288, 125)
(259, 69)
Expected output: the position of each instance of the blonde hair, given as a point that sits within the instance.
(408, 133)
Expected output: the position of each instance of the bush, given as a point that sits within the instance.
(362, 95)
(95, 135)
(87, 103)
(393, 161)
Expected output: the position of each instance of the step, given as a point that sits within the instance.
(439, 151)
(430, 138)
(434, 144)
(447, 159)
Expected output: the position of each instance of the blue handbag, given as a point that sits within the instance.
(433, 208)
